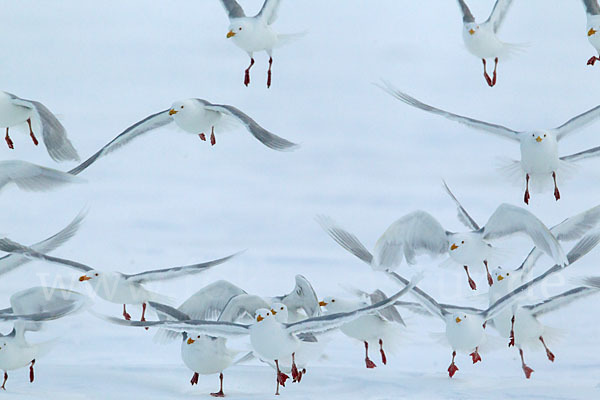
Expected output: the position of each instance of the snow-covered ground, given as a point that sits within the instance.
(366, 159)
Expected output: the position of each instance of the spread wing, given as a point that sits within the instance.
(561, 300)
(54, 134)
(470, 122)
(508, 220)
(33, 178)
(466, 13)
(591, 7)
(148, 124)
(12, 261)
(243, 305)
(13, 247)
(175, 272)
(264, 136)
(209, 302)
(463, 215)
(582, 155)
(498, 13)
(577, 122)
(302, 297)
(233, 8)
(269, 10)
(389, 313)
(426, 300)
(345, 239)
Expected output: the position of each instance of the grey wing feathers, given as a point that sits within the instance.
(208, 302)
(302, 297)
(591, 7)
(498, 13)
(426, 301)
(593, 152)
(12, 261)
(463, 215)
(467, 16)
(389, 313)
(148, 124)
(242, 305)
(32, 177)
(176, 272)
(264, 136)
(13, 247)
(345, 239)
(233, 8)
(164, 310)
(470, 122)
(561, 300)
(577, 122)
(269, 10)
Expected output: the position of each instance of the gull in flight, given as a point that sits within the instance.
(29, 308)
(377, 328)
(253, 34)
(270, 339)
(592, 12)
(419, 232)
(539, 148)
(481, 39)
(195, 116)
(32, 177)
(113, 286)
(16, 111)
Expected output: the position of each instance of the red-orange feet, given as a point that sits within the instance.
(452, 368)
(31, 374)
(35, 141)
(556, 192)
(126, 314)
(9, 141)
(194, 380)
(247, 73)
(471, 281)
(592, 60)
(269, 72)
(383, 357)
(511, 342)
(475, 356)
(202, 137)
(368, 362)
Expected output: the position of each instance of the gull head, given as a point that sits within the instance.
(471, 28)
(280, 311)
(499, 275)
(239, 28)
(190, 340)
(182, 108)
(336, 304)
(90, 275)
(263, 314)
(541, 137)
(459, 318)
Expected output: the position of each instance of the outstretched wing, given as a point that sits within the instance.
(242, 305)
(13, 247)
(148, 124)
(463, 215)
(208, 302)
(264, 136)
(389, 313)
(175, 272)
(32, 177)
(302, 297)
(561, 300)
(426, 300)
(498, 13)
(464, 8)
(233, 8)
(345, 239)
(508, 220)
(593, 152)
(470, 122)
(269, 10)
(577, 122)
(591, 7)
(54, 134)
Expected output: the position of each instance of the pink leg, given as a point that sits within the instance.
(281, 378)
(592, 60)
(31, 374)
(383, 357)
(126, 314)
(202, 137)
(144, 314)
(556, 192)
(368, 362)
(9, 141)
(471, 281)
(475, 355)
(452, 368)
(526, 198)
(35, 141)
(194, 380)
(295, 372)
(247, 75)
(213, 139)
(485, 74)
(220, 392)
(526, 369)
(495, 68)
(487, 270)
(512, 332)
(549, 354)
(269, 72)
(4, 381)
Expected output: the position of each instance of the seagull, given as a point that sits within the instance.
(28, 309)
(592, 12)
(195, 116)
(253, 34)
(32, 177)
(419, 232)
(114, 286)
(15, 111)
(539, 148)
(374, 328)
(481, 39)
(10, 262)
(270, 339)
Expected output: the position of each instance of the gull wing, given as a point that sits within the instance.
(269, 11)
(561, 300)
(578, 122)
(498, 13)
(13, 247)
(233, 8)
(463, 215)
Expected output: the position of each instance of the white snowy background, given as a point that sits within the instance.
(366, 159)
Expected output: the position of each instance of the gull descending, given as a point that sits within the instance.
(539, 148)
(15, 111)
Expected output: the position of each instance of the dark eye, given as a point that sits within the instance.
(267, 313)
(544, 135)
(96, 274)
(507, 274)
(198, 336)
(240, 28)
(333, 300)
(181, 106)
(463, 242)
(533, 135)
(281, 308)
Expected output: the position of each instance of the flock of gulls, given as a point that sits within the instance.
(288, 331)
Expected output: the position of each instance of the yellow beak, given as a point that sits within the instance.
(273, 311)
(538, 139)
(471, 31)
(453, 247)
(500, 277)
(190, 341)
(259, 318)
(172, 111)
(84, 278)
(458, 320)
(230, 34)
(592, 31)
(322, 303)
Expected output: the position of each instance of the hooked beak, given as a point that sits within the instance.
(458, 320)
(471, 31)
(190, 341)
(322, 303)
(538, 139)
(84, 278)
(592, 31)
(500, 277)
(454, 246)
(273, 311)
(230, 34)
(259, 318)
(172, 111)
